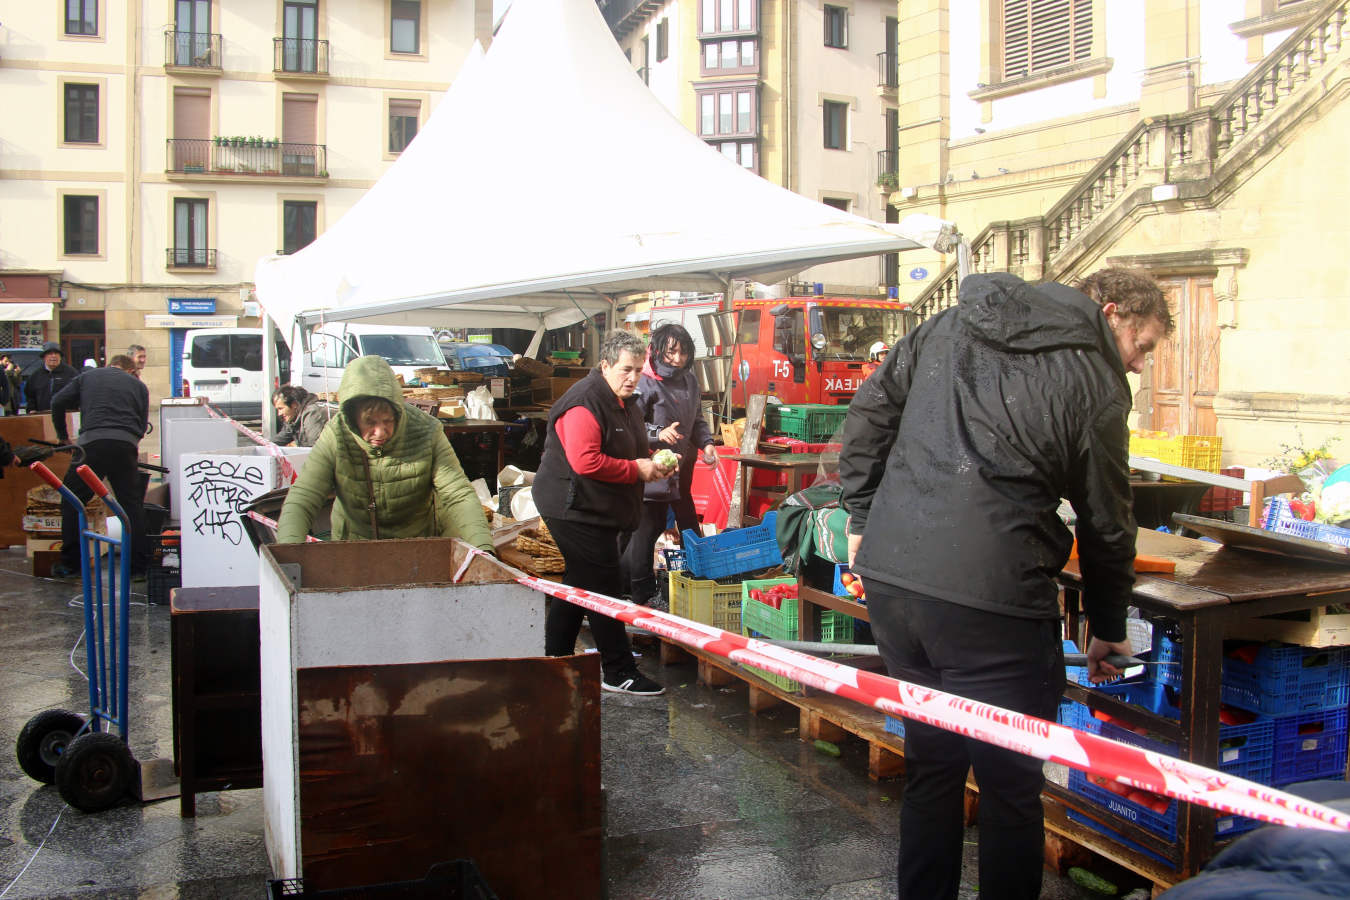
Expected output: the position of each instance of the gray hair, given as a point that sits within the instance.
(616, 342)
(134, 349)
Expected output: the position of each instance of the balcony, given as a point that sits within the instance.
(623, 16)
(888, 70)
(192, 51)
(300, 57)
(190, 258)
(233, 159)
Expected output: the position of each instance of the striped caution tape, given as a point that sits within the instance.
(1133, 766)
(272, 524)
(287, 470)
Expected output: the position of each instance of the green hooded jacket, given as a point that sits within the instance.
(418, 485)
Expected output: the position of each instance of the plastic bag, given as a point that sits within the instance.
(478, 404)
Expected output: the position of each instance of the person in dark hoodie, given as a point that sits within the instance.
(668, 395)
(956, 453)
(114, 410)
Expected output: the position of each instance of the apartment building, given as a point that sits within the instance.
(1202, 140)
(154, 150)
(802, 92)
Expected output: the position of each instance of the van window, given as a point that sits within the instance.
(328, 352)
(404, 349)
(211, 351)
(747, 329)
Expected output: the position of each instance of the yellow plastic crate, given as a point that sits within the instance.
(1194, 451)
(709, 602)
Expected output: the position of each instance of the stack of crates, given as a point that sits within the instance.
(1194, 451)
(812, 422)
(764, 621)
(733, 552)
(1218, 500)
(1284, 720)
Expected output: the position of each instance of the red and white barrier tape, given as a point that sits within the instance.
(1134, 766)
(272, 524)
(287, 470)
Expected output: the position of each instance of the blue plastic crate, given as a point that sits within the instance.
(1309, 745)
(674, 557)
(895, 726)
(1076, 715)
(1075, 816)
(1166, 650)
(1287, 679)
(733, 552)
(1246, 750)
(1163, 824)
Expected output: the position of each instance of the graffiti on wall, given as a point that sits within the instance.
(217, 492)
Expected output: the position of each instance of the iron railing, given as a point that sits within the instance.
(301, 56)
(246, 156)
(190, 258)
(888, 69)
(191, 49)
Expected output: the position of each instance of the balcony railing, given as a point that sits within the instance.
(190, 258)
(191, 49)
(299, 56)
(246, 156)
(888, 162)
(888, 69)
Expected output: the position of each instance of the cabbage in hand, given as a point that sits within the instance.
(666, 459)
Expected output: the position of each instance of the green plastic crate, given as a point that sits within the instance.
(806, 421)
(761, 620)
(709, 602)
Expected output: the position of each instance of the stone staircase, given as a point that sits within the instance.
(1197, 157)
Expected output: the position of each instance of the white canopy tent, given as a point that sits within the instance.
(548, 181)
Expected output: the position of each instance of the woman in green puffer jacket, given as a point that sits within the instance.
(379, 452)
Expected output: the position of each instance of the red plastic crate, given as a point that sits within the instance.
(1223, 499)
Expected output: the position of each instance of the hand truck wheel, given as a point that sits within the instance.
(95, 772)
(43, 740)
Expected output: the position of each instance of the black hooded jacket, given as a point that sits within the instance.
(958, 450)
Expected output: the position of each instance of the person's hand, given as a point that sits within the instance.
(854, 542)
(670, 435)
(650, 471)
(710, 455)
(1098, 668)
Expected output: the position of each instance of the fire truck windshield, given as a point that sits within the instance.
(849, 331)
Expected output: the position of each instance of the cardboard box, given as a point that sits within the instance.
(40, 543)
(33, 524)
(1316, 627)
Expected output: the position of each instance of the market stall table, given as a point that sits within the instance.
(1212, 589)
(794, 465)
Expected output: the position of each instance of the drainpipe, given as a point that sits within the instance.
(133, 101)
(789, 90)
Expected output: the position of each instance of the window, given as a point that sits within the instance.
(299, 223)
(662, 40)
(81, 225)
(729, 55)
(81, 114)
(403, 116)
(747, 330)
(723, 16)
(838, 203)
(836, 27)
(82, 17)
(192, 33)
(300, 21)
(836, 116)
(728, 110)
(405, 26)
(1044, 34)
(189, 232)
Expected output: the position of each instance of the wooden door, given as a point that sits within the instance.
(1183, 374)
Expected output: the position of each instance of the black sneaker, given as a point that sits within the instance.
(632, 683)
(61, 570)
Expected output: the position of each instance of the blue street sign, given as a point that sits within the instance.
(918, 273)
(193, 306)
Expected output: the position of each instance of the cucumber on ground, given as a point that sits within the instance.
(1085, 879)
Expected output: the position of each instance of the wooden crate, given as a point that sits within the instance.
(1309, 628)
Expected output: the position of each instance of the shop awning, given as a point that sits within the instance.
(25, 311)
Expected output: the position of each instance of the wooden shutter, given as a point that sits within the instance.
(191, 113)
(299, 118)
(1044, 34)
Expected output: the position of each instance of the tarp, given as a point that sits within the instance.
(548, 180)
(25, 311)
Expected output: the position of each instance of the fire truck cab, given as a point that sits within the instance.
(810, 349)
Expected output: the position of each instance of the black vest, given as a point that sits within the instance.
(560, 493)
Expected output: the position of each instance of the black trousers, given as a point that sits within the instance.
(1011, 662)
(591, 555)
(115, 461)
(637, 558)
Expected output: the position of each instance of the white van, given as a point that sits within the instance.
(334, 344)
(225, 366)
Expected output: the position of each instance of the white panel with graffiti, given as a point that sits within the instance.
(215, 487)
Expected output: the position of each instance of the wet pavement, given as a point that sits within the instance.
(704, 800)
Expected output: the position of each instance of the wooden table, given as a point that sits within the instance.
(461, 430)
(1212, 588)
(217, 713)
(795, 465)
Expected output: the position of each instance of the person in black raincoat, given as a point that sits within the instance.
(668, 395)
(956, 453)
